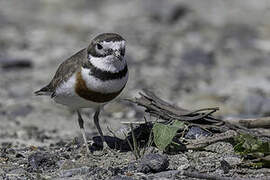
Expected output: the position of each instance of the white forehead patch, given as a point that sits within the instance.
(114, 44)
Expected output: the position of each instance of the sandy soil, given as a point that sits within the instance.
(193, 53)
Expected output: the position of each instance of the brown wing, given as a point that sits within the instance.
(64, 72)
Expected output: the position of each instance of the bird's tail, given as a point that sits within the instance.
(45, 91)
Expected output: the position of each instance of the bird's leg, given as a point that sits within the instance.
(80, 121)
(96, 121)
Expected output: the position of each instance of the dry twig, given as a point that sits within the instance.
(261, 122)
(161, 109)
(201, 143)
(202, 117)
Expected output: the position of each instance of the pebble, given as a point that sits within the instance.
(18, 173)
(252, 104)
(153, 163)
(189, 45)
(233, 160)
(225, 166)
(265, 109)
(164, 175)
(221, 148)
(197, 56)
(118, 177)
(39, 160)
(196, 132)
(8, 63)
(20, 111)
(75, 171)
(169, 12)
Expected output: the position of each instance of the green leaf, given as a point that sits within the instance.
(178, 124)
(164, 134)
(253, 148)
(249, 144)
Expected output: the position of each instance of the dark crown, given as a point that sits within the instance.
(108, 37)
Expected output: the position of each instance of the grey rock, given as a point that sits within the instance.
(265, 108)
(167, 13)
(195, 132)
(153, 163)
(164, 175)
(198, 57)
(233, 160)
(238, 36)
(191, 53)
(119, 177)
(179, 162)
(42, 160)
(225, 166)
(17, 171)
(221, 148)
(8, 63)
(253, 104)
(75, 171)
(21, 111)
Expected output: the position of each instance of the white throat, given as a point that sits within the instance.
(108, 63)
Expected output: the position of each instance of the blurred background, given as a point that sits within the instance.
(192, 53)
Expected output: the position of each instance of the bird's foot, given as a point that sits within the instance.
(106, 150)
(88, 153)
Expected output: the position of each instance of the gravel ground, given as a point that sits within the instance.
(193, 53)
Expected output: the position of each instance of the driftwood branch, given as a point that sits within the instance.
(208, 176)
(163, 110)
(202, 117)
(261, 122)
(221, 130)
(201, 143)
(174, 174)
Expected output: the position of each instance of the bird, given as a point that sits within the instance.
(90, 78)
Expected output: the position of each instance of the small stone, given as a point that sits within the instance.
(39, 160)
(196, 132)
(225, 166)
(265, 109)
(164, 175)
(237, 36)
(67, 164)
(17, 171)
(2, 172)
(131, 114)
(118, 115)
(166, 12)
(118, 177)
(197, 56)
(75, 171)
(20, 111)
(8, 63)
(180, 161)
(10, 151)
(233, 160)
(153, 163)
(18, 155)
(115, 170)
(221, 148)
(253, 104)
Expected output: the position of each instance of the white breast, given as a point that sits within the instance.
(65, 95)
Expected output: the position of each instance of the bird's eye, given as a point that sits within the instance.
(99, 46)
